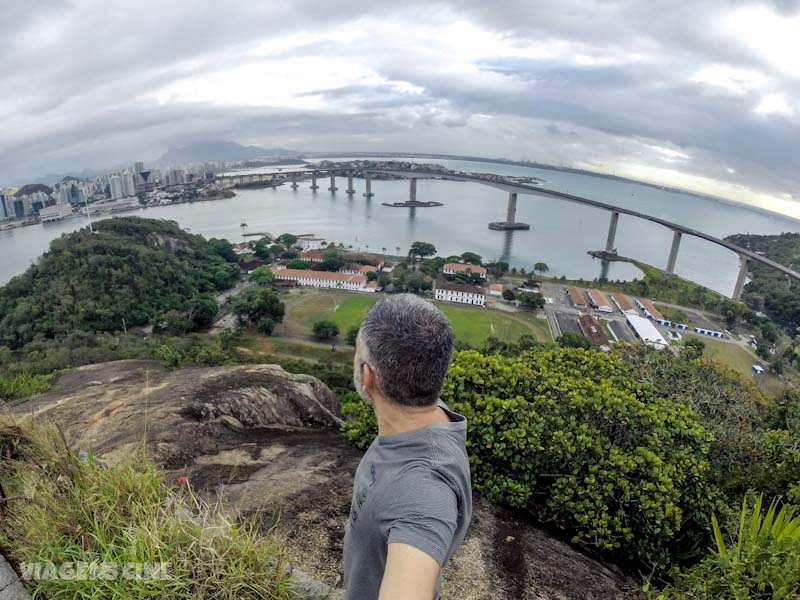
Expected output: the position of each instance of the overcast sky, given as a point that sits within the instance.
(702, 94)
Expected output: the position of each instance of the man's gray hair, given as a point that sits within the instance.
(408, 342)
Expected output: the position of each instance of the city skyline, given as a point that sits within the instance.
(702, 98)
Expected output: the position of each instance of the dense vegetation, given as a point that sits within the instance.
(631, 451)
(769, 290)
(126, 273)
(65, 508)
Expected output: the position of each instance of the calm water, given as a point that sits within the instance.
(560, 235)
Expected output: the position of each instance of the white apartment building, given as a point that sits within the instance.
(55, 213)
(327, 279)
(461, 293)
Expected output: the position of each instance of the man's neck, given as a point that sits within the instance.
(394, 418)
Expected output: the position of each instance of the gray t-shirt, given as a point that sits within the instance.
(411, 488)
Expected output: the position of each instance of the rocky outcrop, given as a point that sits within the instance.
(266, 442)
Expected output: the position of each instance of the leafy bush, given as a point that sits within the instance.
(23, 385)
(571, 436)
(361, 426)
(325, 330)
(764, 562)
(83, 512)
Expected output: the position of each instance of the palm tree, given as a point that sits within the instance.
(398, 250)
(541, 268)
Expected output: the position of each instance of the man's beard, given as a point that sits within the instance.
(358, 382)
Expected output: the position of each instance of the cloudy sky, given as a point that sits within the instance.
(702, 94)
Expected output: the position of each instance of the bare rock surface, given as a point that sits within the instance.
(266, 443)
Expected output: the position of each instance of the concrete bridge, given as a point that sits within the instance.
(746, 257)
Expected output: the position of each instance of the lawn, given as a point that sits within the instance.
(471, 325)
(740, 360)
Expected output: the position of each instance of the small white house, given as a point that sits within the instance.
(310, 242)
(758, 369)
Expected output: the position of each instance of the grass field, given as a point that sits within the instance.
(471, 325)
(740, 360)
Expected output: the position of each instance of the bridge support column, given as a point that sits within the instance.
(294, 182)
(744, 268)
(314, 185)
(673, 252)
(612, 232)
(412, 191)
(333, 187)
(350, 189)
(368, 179)
(511, 212)
(273, 181)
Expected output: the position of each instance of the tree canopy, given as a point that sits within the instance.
(130, 268)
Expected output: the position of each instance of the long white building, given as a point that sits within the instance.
(645, 330)
(461, 293)
(327, 279)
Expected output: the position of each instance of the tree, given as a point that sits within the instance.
(223, 248)
(325, 330)
(497, 268)
(331, 261)
(572, 339)
(695, 345)
(297, 263)
(202, 310)
(509, 295)
(471, 258)
(261, 249)
(731, 312)
(531, 300)
(261, 306)
(421, 250)
(262, 276)
(287, 239)
(541, 268)
(352, 335)
(172, 322)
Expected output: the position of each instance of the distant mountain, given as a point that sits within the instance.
(223, 151)
(32, 188)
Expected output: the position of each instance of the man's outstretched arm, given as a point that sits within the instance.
(410, 574)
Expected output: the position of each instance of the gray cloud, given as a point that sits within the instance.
(601, 83)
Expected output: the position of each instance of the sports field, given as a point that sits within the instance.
(472, 325)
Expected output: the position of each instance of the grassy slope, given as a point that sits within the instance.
(740, 360)
(472, 325)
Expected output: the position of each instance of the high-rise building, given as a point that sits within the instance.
(5, 213)
(129, 183)
(117, 190)
(138, 167)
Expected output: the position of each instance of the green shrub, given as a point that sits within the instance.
(571, 436)
(85, 513)
(23, 385)
(325, 330)
(169, 356)
(764, 562)
(361, 426)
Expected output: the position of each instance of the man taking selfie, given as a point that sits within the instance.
(412, 498)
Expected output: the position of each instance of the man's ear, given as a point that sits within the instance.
(367, 378)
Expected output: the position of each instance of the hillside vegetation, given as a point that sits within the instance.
(124, 274)
(769, 290)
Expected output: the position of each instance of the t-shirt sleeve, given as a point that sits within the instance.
(421, 510)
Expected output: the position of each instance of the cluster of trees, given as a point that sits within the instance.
(259, 304)
(129, 272)
(630, 452)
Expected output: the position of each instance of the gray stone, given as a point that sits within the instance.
(10, 586)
